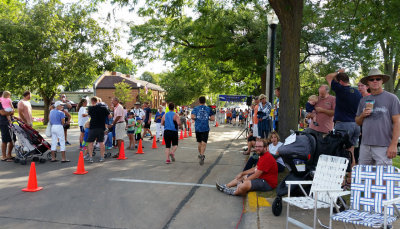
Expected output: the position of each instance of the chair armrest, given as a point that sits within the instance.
(392, 201)
(299, 182)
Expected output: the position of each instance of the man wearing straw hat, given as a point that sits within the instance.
(379, 115)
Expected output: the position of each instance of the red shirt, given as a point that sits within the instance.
(267, 164)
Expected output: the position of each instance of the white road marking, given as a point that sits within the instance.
(161, 182)
(208, 148)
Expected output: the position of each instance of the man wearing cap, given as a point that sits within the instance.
(138, 112)
(347, 100)
(379, 115)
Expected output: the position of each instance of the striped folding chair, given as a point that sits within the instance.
(375, 197)
(325, 189)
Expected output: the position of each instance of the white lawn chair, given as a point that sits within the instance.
(325, 189)
(375, 197)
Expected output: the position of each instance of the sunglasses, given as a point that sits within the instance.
(374, 79)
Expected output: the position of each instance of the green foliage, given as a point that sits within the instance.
(150, 77)
(123, 92)
(145, 97)
(119, 64)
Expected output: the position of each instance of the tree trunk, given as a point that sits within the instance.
(387, 51)
(290, 14)
(47, 102)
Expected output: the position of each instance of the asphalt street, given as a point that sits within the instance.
(140, 192)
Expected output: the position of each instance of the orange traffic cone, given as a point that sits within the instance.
(216, 124)
(32, 182)
(163, 141)
(121, 155)
(188, 124)
(185, 135)
(140, 150)
(190, 132)
(80, 169)
(181, 137)
(154, 146)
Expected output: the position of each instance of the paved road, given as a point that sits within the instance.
(140, 192)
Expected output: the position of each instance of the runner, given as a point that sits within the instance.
(201, 115)
(171, 122)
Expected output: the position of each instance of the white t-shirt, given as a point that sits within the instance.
(273, 149)
(82, 120)
(138, 113)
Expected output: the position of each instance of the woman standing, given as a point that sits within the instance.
(82, 119)
(57, 121)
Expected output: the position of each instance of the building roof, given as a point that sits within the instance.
(107, 81)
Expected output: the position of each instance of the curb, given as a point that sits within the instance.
(254, 202)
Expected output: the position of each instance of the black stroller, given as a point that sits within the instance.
(301, 158)
(29, 143)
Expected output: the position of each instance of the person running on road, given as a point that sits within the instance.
(201, 115)
(170, 121)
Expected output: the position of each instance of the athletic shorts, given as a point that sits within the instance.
(97, 133)
(130, 131)
(147, 125)
(170, 137)
(82, 129)
(202, 136)
(260, 185)
(5, 134)
(138, 136)
(67, 126)
(252, 138)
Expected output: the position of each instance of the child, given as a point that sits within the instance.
(139, 127)
(85, 137)
(312, 100)
(131, 130)
(7, 103)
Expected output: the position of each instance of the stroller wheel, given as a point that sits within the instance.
(23, 162)
(42, 160)
(35, 159)
(277, 206)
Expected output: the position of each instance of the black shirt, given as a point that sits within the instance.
(3, 119)
(147, 110)
(98, 115)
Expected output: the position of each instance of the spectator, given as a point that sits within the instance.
(325, 109)
(363, 89)
(255, 119)
(7, 104)
(263, 112)
(182, 118)
(263, 177)
(273, 147)
(147, 120)
(276, 108)
(131, 131)
(25, 108)
(118, 122)
(157, 119)
(202, 114)
(6, 141)
(347, 100)
(310, 109)
(98, 114)
(251, 142)
(138, 130)
(82, 119)
(138, 112)
(234, 116)
(171, 122)
(379, 115)
(57, 121)
(67, 124)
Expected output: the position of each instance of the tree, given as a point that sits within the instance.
(145, 96)
(150, 77)
(50, 44)
(123, 92)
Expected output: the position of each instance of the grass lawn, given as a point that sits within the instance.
(39, 114)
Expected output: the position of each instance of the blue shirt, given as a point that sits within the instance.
(203, 114)
(347, 100)
(56, 116)
(169, 121)
(158, 117)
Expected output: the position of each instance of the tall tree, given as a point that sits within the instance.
(150, 77)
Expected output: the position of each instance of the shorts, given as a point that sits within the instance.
(147, 125)
(373, 155)
(120, 130)
(202, 136)
(252, 138)
(351, 128)
(5, 134)
(82, 129)
(67, 126)
(138, 136)
(97, 133)
(255, 130)
(259, 185)
(130, 131)
(170, 136)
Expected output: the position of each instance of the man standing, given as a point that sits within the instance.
(325, 108)
(347, 100)
(67, 125)
(118, 122)
(263, 112)
(379, 115)
(25, 108)
(5, 135)
(276, 108)
(255, 119)
(201, 115)
(263, 177)
(147, 120)
(98, 114)
(138, 112)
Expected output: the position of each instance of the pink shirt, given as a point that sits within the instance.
(325, 122)
(25, 108)
(119, 111)
(6, 102)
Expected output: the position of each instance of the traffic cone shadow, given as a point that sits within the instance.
(140, 148)
(80, 169)
(121, 155)
(154, 146)
(32, 181)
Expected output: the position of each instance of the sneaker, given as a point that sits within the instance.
(67, 143)
(151, 138)
(201, 157)
(116, 155)
(172, 157)
(158, 140)
(229, 191)
(220, 188)
(108, 148)
(90, 160)
(101, 159)
(167, 162)
(86, 157)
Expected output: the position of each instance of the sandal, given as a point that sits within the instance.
(65, 161)
(53, 160)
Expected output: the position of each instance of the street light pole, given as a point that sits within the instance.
(270, 76)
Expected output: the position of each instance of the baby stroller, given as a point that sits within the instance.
(301, 158)
(29, 143)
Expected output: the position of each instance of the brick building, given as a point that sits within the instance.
(104, 88)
